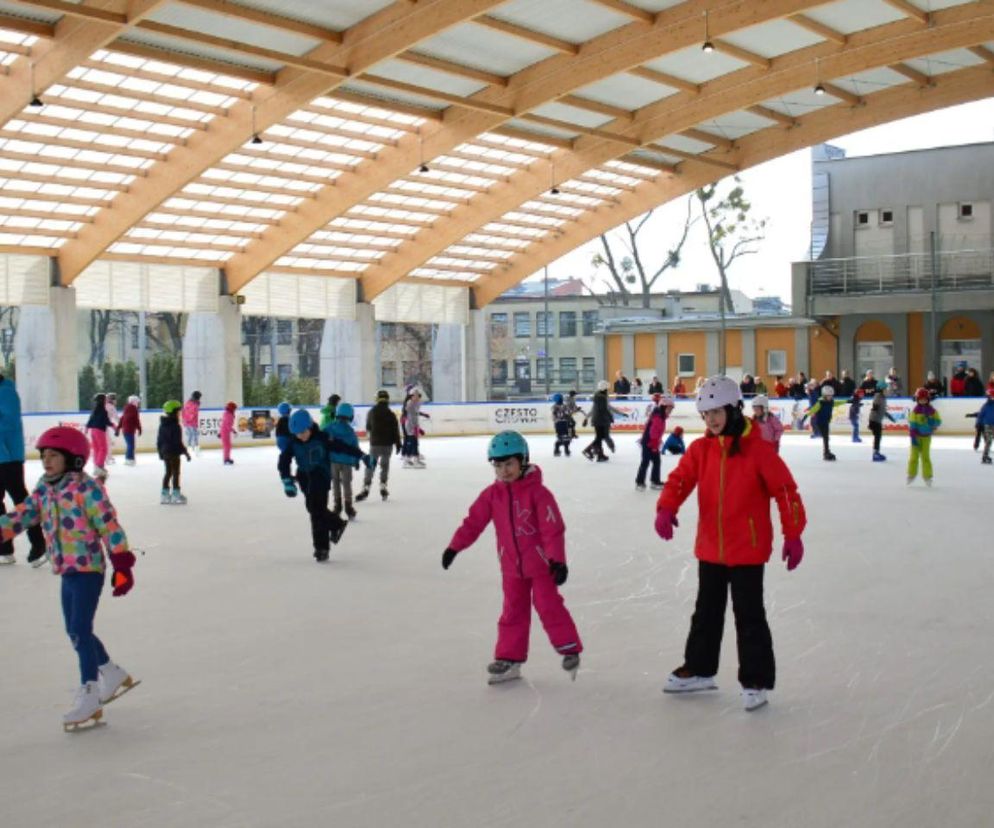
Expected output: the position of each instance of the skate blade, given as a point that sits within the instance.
(756, 707)
(502, 679)
(573, 672)
(127, 685)
(677, 692)
(86, 724)
(38, 562)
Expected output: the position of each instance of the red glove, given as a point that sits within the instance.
(665, 521)
(123, 579)
(793, 551)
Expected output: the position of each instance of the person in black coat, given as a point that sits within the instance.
(601, 416)
(383, 430)
(169, 443)
(973, 386)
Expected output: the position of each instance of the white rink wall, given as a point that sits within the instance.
(255, 425)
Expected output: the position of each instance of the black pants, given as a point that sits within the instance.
(757, 667)
(824, 440)
(12, 483)
(602, 434)
(172, 464)
(878, 430)
(648, 456)
(322, 519)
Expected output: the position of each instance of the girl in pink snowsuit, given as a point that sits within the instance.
(228, 431)
(532, 552)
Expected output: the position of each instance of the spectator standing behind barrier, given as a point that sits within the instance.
(894, 381)
(748, 385)
(847, 385)
(932, 385)
(972, 386)
(679, 389)
(655, 387)
(958, 381)
(622, 385)
(761, 386)
(12, 470)
(637, 391)
(869, 383)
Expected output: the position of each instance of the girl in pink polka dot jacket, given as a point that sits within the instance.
(78, 521)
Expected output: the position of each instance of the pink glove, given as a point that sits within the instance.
(793, 551)
(665, 521)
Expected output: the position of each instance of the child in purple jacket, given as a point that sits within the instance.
(532, 551)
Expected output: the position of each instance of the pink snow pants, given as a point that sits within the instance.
(515, 619)
(226, 445)
(98, 438)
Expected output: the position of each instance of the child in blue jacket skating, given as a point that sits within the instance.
(985, 425)
(342, 463)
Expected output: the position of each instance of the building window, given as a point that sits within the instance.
(567, 323)
(388, 374)
(409, 368)
(776, 363)
(285, 372)
(498, 325)
(886, 218)
(541, 365)
(589, 322)
(522, 325)
(589, 370)
(862, 218)
(874, 356)
(284, 332)
(686, 365)
(567, 370)
(498, 371)
(965, 211)
(134, 337)
(388, 330)
(522, 369)
(542, 320)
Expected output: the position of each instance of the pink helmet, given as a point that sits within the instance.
(70, 442)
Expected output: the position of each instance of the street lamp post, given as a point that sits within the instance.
(548, 361)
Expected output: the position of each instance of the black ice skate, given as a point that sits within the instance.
(828, 456)
(571, 663)
(384, 493)
(321, 555)
(501, 671)
(362, 495)
(350, 512)
(337, 529)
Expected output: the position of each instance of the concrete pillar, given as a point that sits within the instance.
(349, 366)
(448, 369)
(802, 351)
(212, 355)
(627, 356)
(46, 353)
(477, 360)
(663, 360)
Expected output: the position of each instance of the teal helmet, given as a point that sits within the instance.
(343, 411)
(881, 385)
(557, 399)
(300, 421)
(508, 444)
(283, 409)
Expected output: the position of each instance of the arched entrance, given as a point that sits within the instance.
(959, 341)
(874, 349)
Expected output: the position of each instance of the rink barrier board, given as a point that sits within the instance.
(255, 425)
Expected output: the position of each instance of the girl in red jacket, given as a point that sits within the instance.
(130, 424)
(736, 473)
(532, 552)
(652, 440)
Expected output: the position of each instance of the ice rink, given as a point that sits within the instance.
(280, 692)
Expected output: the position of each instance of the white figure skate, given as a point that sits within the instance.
(691, 684)
(86, 710)
(114, 682)
(753, 698)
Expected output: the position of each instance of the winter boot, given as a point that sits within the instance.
(682, 681)
(753, 698)
(113, 682)
(571, 663)
(383, 492)
(878, 457)
(350, 512)
(37, 556)
(179, 498)
(362, 495)
(86, 709)
(164, 498)
(501, 671)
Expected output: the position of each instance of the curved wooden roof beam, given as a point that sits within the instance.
(949, 89)
(621, 49)
(957, 27)
(74, 38)
(375, 38)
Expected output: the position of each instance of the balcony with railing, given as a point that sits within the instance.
(904, 273)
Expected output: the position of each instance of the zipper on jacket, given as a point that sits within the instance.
(721, 503)
(752, 532)
(514, 531)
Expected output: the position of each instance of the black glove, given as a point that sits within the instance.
(559, 572)
(399, 449)
(448, 556)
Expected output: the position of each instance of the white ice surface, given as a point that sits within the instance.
(279, 692)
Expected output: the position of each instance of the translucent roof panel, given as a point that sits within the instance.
(337, 15)
(849, 16)
(429, 78)
(942, 62)
(478, 47)
(800, 103)
(774, 38)
(540, 130)
(168, 43)
(573, 115)
(734, 125)
(374, 91)
(626, 90)
(873, 80)
(232, 28)
(695, 65)
(574, 20)
(654, 6)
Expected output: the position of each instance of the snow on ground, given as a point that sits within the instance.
(279, 692)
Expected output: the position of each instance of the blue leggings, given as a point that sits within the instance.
(80, 596)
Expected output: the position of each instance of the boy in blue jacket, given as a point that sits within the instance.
(343, 463)
(985, 425)
(311, 449)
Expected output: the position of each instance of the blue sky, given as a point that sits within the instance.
(780, 190)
